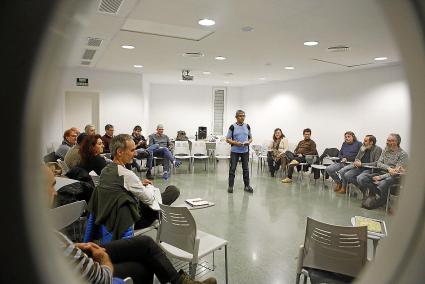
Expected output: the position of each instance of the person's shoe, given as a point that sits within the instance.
(149, 175)
(177, 163)
(342, 190)
(185, 279)
(165, 176)
(248, 188)
(337, 187)
(294, 162)
(272, 174)
(230, 189)
(286, 180)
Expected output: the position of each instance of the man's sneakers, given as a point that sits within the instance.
(248, 188)
(149, 175)
(230, 189)
(286, 180)
(185, 279)
(294, 163)
(165, 175)
(177, 163)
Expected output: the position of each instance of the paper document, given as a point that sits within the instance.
(197, 202)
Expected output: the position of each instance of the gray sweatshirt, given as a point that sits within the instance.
(375, 153)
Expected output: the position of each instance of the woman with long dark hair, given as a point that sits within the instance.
(276, 155)
(90, 150)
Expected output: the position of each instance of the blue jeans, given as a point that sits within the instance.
(349, 173)
(380, 188)
(234, 158)
(165, 153)
(332, 169)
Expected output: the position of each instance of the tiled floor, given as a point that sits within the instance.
(264, 229)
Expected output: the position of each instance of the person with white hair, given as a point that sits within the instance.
(160, 146)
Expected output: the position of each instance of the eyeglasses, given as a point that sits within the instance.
(241, 115)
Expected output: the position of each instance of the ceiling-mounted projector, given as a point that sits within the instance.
(186, 76)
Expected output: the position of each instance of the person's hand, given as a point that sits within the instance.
(146, 182)
(376, 178)
(357, 163)
(96, 252)
(401, 169)
(237, 143)
(300, 155)
(343, 160)
(393, 171)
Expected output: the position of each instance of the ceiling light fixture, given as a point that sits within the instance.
(127, 46)
(226, 82)
(247, 29)
(206, 22)
(206, 72)
(262, 78)
(289, 67)
(220, 58)
(311, 43)
(138, 66)
(380, 58)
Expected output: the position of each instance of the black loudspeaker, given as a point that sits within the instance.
(202, 132)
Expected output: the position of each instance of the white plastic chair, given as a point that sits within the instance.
(178, 237)
(199, 152)
(182, 152)
(67, 214)
(221, 152)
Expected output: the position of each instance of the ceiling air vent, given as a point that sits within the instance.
(110, 6)
(193, 54)
(339, 48)
(85, 63)
(88, 54)
(95, 42)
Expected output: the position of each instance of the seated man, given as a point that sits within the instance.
(348, 152)
(368, 155)
(139, 257)
(89, 129)
(69, 140)
(160, 146)
(141, 149)
(304, 147)
(106, 139)
(391, 164)
(115, 177)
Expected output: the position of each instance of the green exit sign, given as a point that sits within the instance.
(82, 81)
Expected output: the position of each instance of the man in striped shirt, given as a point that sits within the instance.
(139, 257)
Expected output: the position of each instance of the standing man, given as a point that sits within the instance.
(106, 139)
(239, 136)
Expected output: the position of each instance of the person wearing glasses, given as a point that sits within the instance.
(69, 140)
(239, 137)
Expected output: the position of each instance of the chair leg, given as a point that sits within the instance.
(297, 280)
(192, 270)
(225, 263)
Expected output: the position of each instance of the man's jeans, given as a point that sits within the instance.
(380, 188)
(234, 158)
(332, 171)
(349, 173)
(163, 152)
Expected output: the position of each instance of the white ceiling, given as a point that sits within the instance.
(280, 28)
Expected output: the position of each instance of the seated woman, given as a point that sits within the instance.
(90, 150)
(276, 157)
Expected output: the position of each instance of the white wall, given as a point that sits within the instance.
(185, 107)
(120, 101)
(373, 101)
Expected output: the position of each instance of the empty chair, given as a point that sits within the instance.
(182, 151)
(179, 238)
(199, 152)
(69, 214)
(331, 248)
(221, 152)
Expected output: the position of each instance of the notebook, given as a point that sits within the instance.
(373, 225)
(197, 202)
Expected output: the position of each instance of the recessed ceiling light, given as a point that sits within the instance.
(289, 67)
(138, 66)
(127, 46)
(226, 82)
(220, 58)
(262, 78)
(311, 43)
(206, 22)
(380, 58)
(206, 72)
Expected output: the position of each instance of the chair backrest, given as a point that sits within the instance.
(177, 228)
(222, 149)
(199, 147)
(335, 248)
(65, 215)
(311, 159)
(181, 148)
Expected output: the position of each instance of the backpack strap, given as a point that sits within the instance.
(232, 129)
